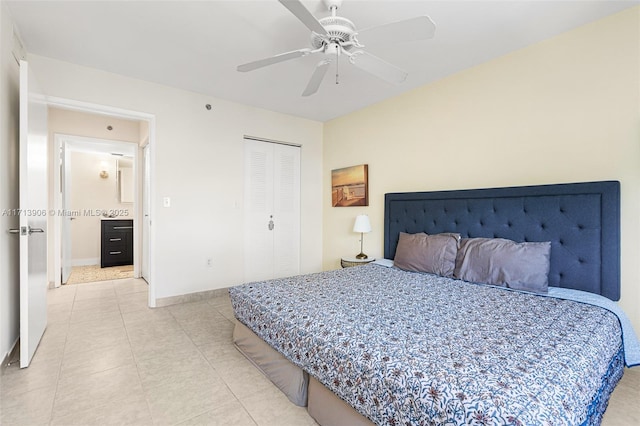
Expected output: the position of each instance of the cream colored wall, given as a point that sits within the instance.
(197, 161)
(68, 122)
(90, 192)
(563, 110)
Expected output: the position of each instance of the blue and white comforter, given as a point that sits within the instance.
(405, 348)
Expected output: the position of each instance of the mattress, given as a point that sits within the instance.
(408, 348)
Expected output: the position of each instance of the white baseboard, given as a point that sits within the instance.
(85, 262)
(191, 297)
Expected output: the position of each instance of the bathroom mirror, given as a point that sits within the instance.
(124, 169)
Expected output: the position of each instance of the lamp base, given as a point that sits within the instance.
(362, 256)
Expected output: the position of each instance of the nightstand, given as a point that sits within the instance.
(347, 262)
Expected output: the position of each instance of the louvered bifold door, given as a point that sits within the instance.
(258, 206)
(286, 211)
(272, 210)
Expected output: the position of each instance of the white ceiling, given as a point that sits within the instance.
(197, 45)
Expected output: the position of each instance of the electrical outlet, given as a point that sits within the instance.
(210, 262)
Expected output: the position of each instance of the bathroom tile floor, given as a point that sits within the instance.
(93, 273)
(107, 359)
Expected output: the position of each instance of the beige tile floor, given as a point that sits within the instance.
(107, 359)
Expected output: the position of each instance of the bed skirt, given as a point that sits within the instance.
(290, 379)
(329, 410)
(301, 389)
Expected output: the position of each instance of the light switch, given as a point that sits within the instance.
(166, 202)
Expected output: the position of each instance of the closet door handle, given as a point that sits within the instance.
(115, 252)
(115, 239)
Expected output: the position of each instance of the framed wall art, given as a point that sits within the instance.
(350, 186)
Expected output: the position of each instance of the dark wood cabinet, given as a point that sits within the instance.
(117, 242)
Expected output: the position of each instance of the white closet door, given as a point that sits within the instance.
(258, 207)
(286, 211)
(272, 210)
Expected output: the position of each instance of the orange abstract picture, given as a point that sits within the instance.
(350, 186)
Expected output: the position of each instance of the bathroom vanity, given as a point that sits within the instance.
(116, 242)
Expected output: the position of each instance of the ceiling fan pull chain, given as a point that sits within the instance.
(337, 62)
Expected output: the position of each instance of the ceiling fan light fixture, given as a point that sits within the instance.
(333, 49)
(339, 29)
(334, 35)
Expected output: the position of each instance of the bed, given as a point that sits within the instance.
(377, 344)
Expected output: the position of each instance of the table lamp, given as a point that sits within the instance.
(362, 225)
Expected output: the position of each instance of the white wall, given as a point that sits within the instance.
(563, 110)
(9, 245)
(197, 162)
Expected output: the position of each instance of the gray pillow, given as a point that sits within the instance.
(497, 261)
(435, 254)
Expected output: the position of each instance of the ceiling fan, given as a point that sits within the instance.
(335, 36)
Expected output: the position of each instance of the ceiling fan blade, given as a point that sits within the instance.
(418, 28)
(273, 60)
(303, 14)
(316, 78)
(378, 67)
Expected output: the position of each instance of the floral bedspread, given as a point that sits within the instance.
(415, 349)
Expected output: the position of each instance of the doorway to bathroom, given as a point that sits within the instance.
(97, 195)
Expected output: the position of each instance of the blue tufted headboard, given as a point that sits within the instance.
(582, 221)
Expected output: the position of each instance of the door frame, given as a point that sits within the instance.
(92, 108)
(72, 143)
(144, 208)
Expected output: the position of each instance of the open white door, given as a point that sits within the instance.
(66, 205)
(33, 217)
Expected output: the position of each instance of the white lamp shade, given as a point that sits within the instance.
(362, 224)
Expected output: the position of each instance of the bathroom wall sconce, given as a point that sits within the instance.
(103, 168)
